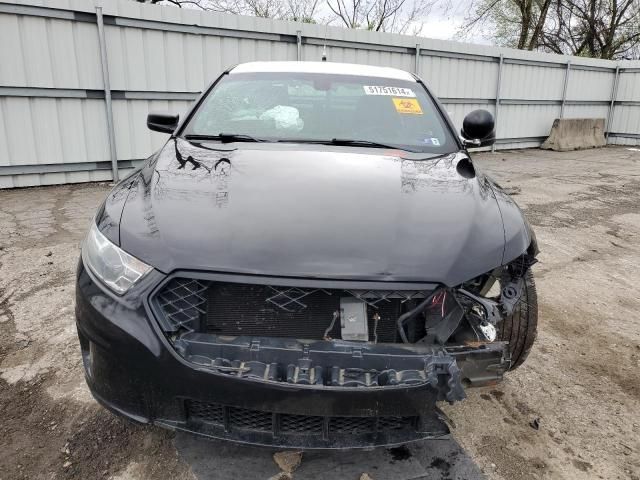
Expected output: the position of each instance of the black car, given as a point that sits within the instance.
(312, 260)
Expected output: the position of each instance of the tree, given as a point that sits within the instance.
(397, 16)
(179, 3)
(303, 10)
(607, 29)
(511, 23)
(295, 10)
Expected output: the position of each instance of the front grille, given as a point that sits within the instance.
(208, 412)
(352, 425)
(234, 309)
(395, 423)
(183, 301)
(244, 419)
(301, 423)
(250, 419)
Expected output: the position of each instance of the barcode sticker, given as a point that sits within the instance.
(391, 91)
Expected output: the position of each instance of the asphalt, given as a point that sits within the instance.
(441, 459)
(580, 387)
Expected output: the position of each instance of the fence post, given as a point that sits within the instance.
(416, 67)
(299, 45)
(498, 85)
(564, 88)
(612, 105)
(107, 93)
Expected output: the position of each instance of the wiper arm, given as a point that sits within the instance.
(365, 143)
(225, 137)
(347, 142)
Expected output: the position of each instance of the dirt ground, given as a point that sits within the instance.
(572, 411)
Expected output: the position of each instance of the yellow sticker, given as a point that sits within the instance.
(407, 105)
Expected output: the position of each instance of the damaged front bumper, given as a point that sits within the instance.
(333, 394)
(271, 391)
(342, 364)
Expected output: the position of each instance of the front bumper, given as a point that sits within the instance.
(225, 387)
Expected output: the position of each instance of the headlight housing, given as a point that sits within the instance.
(113, 266)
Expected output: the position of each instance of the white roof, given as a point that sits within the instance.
(324, 67)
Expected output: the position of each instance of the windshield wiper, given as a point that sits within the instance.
(225, 137)
(237, 137)
(349, 143)
(365, 143)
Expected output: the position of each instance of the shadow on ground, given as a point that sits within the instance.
(441, 459)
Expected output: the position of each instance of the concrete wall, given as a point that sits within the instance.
(53, 115)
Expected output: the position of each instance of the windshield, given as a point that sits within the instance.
(308, 107)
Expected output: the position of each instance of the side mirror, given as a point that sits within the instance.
(162, 122)
(478, 129)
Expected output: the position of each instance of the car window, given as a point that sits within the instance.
(292, 106)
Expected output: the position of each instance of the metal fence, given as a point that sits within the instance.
(78, 77)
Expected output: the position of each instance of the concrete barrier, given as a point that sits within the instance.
(575, 134)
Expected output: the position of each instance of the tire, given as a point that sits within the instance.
(521, 328)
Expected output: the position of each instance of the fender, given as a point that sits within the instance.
(519, 237)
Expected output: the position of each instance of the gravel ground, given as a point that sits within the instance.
(580, 386)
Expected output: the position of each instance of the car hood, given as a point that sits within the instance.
(312, 211)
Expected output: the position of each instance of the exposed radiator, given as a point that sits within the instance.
(226, 308)
(242, 309)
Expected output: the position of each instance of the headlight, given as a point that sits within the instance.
(113, 266)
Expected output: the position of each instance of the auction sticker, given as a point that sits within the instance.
(407, 105)
(381, 90)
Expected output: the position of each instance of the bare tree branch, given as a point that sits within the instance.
(595, 28)
(396, 16)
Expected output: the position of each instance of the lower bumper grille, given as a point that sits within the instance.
(243, 419)
(301, 424)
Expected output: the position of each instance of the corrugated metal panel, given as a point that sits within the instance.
(626, 119)
(586, 111)
(590, 85)
(519, 144)
(50, 53)
(459, 78)
(34, 180)
(629, 86)
(52, 130)
(188, 49)
(532, 82)
(526, 120)
(631, 141)
(403, 61)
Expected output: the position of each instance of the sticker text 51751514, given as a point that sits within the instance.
(381, 90)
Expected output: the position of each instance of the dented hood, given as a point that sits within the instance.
(312, 211)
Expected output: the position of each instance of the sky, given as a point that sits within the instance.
(445, 25)
(442, 27)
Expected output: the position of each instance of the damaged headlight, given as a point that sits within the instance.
(112, 265)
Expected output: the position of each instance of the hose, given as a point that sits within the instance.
(412, 313)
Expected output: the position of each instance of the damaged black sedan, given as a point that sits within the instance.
(312, 260)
